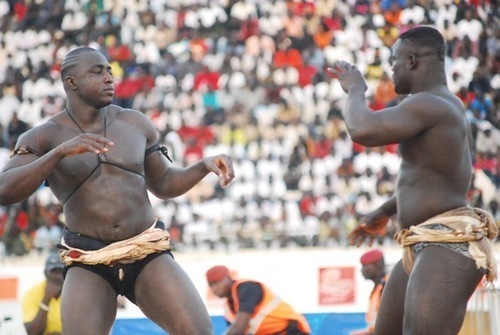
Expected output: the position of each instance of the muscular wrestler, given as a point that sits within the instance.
(446, 243)
(100, 160)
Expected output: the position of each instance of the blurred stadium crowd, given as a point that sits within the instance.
(246, 77)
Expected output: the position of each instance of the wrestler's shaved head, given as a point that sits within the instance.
(425, 37)
(73, 58)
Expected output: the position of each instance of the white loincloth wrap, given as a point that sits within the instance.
(123, 252)
(474, 226)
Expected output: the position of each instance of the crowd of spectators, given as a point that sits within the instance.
(246, 78)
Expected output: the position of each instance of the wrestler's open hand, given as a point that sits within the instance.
(222, 166)
(369, 228)
(83, 143)
(348, 75)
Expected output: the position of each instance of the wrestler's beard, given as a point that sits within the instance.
(401, 90)
(399, 85)
(102, 104)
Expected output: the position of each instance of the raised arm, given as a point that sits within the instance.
(390, 125)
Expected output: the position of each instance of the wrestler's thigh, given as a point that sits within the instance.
(88, 304)
(391, 310)
(439, 288)
(166, 295)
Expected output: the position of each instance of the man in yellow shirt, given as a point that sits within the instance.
(41, 303)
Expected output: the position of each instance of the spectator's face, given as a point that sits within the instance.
(221, 288)
(56, 276)
(369, 271)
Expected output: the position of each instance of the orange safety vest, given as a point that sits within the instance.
(270, 316)
(375, 296)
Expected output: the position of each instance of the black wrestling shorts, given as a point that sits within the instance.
(122, 277)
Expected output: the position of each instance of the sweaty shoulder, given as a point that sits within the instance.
(128, 114)
(445, 98)
(134, 117)
(432, 105)
(41, 137)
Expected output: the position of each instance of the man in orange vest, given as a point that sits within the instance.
(373, 268)
(252, 308)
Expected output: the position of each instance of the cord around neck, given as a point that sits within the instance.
(78, 125)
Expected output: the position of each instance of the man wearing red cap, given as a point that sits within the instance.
(252, 308)
(373, 268)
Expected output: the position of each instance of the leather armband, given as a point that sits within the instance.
(23, 150)
(163, 149)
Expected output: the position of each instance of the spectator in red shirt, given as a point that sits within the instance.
(126, 89)
(287, 56)
(307, 204)
(117, 51)
(206, 78)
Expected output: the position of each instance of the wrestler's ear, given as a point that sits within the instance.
(70, 82)
(413, 61)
